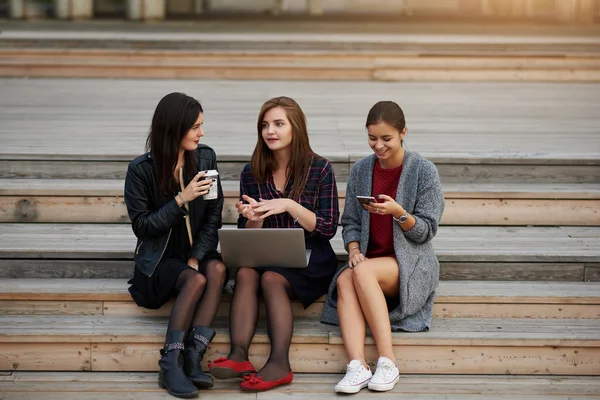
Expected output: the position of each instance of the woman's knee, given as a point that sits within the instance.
(345, 281)
(361, 274)
(269, 280)
(216, 271)
(246, 275)
(195, 281)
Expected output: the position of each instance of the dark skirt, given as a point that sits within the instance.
(155, 290)
(311, 282)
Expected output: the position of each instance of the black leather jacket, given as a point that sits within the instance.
(153, 214)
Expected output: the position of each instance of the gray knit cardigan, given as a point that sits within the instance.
(420, 193)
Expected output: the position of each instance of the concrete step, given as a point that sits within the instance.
(115, 385)
(452, 346)
(101, 201)
(454, 299)
(465, 252)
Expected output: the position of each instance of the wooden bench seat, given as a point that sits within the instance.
(465, 253)
(101, 201)
(455, 299)
(452, 243)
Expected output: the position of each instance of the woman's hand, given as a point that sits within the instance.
(247, 211)
(193, 262)
(387, 206)
(272, 207)
(196, 187)
(355, 257)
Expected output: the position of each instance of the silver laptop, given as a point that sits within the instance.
(264, 247)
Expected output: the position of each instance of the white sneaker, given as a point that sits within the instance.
(356, 378)
(386, 375)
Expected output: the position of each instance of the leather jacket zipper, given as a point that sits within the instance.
(163, 252)
(137, 251)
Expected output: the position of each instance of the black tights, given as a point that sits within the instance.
(198, 297)
(243, 317)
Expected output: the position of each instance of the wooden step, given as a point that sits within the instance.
(101, 201)
(278, 65)
(455, 299)
(19, 385)
(308, 38)
(453, 345)
(483, 169)
(465, 253)
(461, 127)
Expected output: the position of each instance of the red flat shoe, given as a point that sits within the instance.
(255, 383)
(224, 368)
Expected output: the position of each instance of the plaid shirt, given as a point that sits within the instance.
(320, 195)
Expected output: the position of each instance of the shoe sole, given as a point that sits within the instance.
(203, 384)
(383, 387)
(179, 395)
(350, 389)
(259, 390)
(227, 373)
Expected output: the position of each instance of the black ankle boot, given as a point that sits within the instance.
(171, 375)
(195, 347)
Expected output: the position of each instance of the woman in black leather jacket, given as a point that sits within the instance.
(174, 256)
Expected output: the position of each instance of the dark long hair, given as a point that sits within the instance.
(263, 159)
(174, 116)
(388, 112)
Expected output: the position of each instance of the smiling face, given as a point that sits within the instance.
(192, 137)
(276, 129)
(385, 140)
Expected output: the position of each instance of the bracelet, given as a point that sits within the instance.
(298, 217)
(355, 247)
(185, 203)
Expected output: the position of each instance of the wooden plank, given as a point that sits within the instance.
(26, 356)
(502, 271)
(519, 310)
(450, 173)
(452, 243)
(128, 308)
(449, 331)
(115, 290)
(314, 358)
(68, 269)
(63, 209)
(592, 273)
(74, 209)
(20, 307)
(142, 395)
(327, 108)
(318, 383)
(483, 190)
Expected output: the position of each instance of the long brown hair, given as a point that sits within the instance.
(263, 159)
(174, 116)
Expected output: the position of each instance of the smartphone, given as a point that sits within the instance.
(366, 199)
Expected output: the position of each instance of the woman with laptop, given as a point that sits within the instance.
(175, 213)
(286, 185)
(394, 203)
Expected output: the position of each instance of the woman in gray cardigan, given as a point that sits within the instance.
(392, 273)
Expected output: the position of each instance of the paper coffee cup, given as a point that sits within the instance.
(213, 191)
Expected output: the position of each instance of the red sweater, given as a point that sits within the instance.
(381, 231)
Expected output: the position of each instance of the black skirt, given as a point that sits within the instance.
(155, 290)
